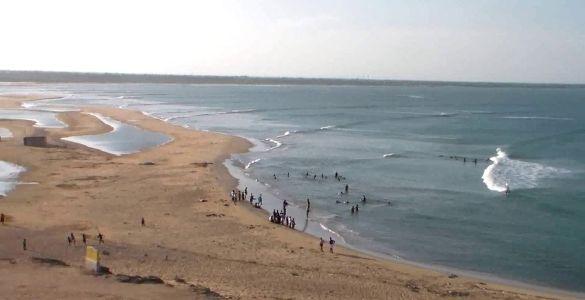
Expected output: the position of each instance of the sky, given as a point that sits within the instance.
(449, 40)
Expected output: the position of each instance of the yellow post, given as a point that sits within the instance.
(92, 258)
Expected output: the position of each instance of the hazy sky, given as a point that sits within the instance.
(491, 40)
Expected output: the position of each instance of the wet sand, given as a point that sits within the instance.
(193, 231)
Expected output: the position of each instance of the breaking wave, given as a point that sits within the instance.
(515, 173)
(276, 144)
(248, 165)
(327, 127)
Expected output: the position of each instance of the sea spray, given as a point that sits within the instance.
(516, 174)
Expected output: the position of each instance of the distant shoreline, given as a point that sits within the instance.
(10, 76)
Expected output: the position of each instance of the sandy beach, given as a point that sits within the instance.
(195, 238)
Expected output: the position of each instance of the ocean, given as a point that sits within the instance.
(433, 162)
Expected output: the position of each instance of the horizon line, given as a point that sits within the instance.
(293, 80)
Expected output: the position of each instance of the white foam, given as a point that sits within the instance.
(327, 229)
(327, 127)
(515, 173)
(287, 133)
(107, 120)
(8, 174)
(389, 155)
(412, 96)
(276, 143)
(248, 165)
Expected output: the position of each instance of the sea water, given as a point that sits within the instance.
(432, 161)
(122, 139)
(8, 176)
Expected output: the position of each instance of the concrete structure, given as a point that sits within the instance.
(35, 141)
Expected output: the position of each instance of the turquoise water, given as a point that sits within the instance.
(403, 148)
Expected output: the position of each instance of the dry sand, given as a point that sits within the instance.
(193, 231)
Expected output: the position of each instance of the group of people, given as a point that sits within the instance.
(465, 159)
(323, 176)
(243, 196)
(71, 238)
(355, 209)
(331, 244)
(280, 217)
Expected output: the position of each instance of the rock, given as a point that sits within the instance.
(106, 252)
(138, 279)
(123, 278)
(180, 280)
(50, 261)
(152, 280)
(453, 276)
(202, 200)
(147, 163)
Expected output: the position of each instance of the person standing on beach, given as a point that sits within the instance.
(321, 242)
(84, 238)
(100, 238)
(24, 244)
(336, 175)
(69, 240)
(346, 188)
(352, 210)
(142, 222)
(331, 244)
(246, 191)
(260, 199)
(308, 206)
(72, 238)
(2, 218)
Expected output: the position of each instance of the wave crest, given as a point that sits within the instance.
(516, 174)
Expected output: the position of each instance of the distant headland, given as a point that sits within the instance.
(78, 77)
